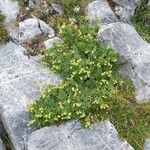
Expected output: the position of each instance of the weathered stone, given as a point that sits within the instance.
(32, 27)
(71, 135)
(2, 147)
(125, 13)
(126, 2)
(147, 145)
(125, 9)
(19, 77)
(32, 3)
(99, 13)
(51, 42)
(57, 8)
(10, 10)
(127, 42)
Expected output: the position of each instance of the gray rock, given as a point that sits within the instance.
(51, 42)
(10, 10)
(19, 80)
(32, 3)
(71, 136)
(32, 27)
(125, 9)
(2, 147)
(99, 13)
(147, 145)
(125, 13)
(126, 2)
(57, 8)
(127, 42)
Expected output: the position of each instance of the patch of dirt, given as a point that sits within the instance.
(35, 45)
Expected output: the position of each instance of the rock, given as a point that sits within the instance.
(51, 42)
(10, 10)
(32, 27)
(125, 13)
(57, 8)
(19, 80)
(2, 147)
(32, 3)
(99, 13)
(127, 42)
(147, 145)
(126, 2)
(71, 136)
(125, 9)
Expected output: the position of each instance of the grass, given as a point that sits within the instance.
(91, 89)
(142, 20)
(3, 31)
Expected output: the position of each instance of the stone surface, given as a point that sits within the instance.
(125, 9)
(100, 13)
(32, 27)
(71, 136)
(125, 13)
(51, 42)
(126, 2)
(19, 77)
(127, 42)
(147, 145)
(57, 8)
(2, 145)
(10, 9)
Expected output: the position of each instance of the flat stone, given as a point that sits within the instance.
(19, 81)
(99, 12)
(32, 27)
(71, 136)
(126, 41)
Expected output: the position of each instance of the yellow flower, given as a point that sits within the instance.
(78, 104)
(76, 9)
(104, 106)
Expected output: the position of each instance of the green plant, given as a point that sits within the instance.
(3, 31)
(141, 19)
(88, 70)
(2, 18)
(23, 4)
(91, 89)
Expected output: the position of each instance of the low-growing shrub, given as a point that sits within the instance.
(91, 90)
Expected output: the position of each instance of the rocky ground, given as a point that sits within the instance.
(21, 73)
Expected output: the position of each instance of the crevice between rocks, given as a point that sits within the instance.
(4, 137)
(113, 5)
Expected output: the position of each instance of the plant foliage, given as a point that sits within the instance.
(91, 89)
